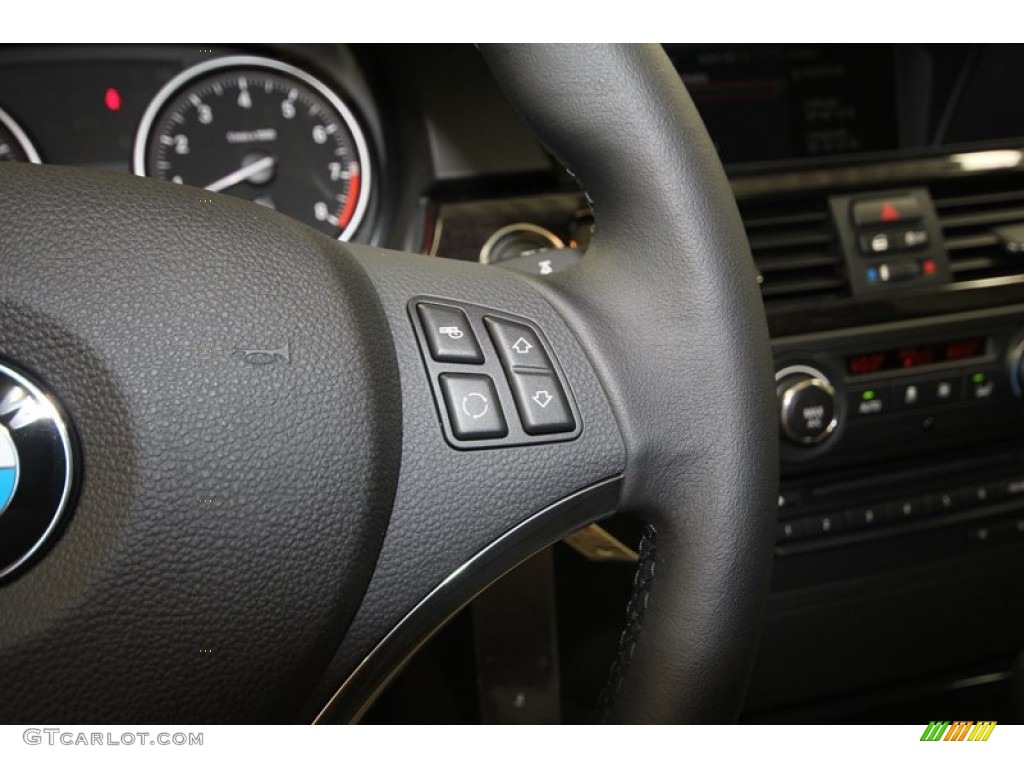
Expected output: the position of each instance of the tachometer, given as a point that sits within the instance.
(264, 131)
(14, 144)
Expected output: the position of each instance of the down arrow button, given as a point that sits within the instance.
(542, 404)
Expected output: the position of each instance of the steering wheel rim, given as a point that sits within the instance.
(704, 472)
(659, 336)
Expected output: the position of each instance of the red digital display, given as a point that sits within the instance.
(915, 356)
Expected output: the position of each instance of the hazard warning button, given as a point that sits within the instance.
(885, 210)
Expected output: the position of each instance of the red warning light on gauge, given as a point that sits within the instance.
(112, 98)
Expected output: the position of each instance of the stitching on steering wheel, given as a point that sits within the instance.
(635, 612)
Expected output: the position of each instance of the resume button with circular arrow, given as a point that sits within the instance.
(473, 407)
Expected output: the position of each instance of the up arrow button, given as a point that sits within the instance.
(522, 346)
(517, 345)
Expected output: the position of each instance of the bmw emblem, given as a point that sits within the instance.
(36, 468)
(8, 468)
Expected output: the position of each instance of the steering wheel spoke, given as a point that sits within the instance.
(470, 507)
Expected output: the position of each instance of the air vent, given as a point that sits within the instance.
(795, 249)
(981, 221)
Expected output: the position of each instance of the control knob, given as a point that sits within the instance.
(807, 405)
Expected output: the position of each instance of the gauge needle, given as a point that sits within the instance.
(243, 173)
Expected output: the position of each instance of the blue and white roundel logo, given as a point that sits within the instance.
(8, 468)
(37, 466)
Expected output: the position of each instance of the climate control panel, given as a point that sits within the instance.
(858, 396)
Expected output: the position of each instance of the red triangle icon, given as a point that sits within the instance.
(890, 212)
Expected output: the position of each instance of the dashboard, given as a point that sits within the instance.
(882, 189)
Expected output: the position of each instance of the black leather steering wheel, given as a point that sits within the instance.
(269, 543)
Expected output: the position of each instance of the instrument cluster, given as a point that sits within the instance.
(252, 126)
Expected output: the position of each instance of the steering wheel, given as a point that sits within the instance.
(280, 488)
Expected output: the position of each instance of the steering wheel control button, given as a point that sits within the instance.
(517, 345)
(36, 469)
(807, 407)
(504, 389)
(543, 407)
(449, 335)
(473, 406)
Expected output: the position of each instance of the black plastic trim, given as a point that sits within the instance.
(846, 172)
